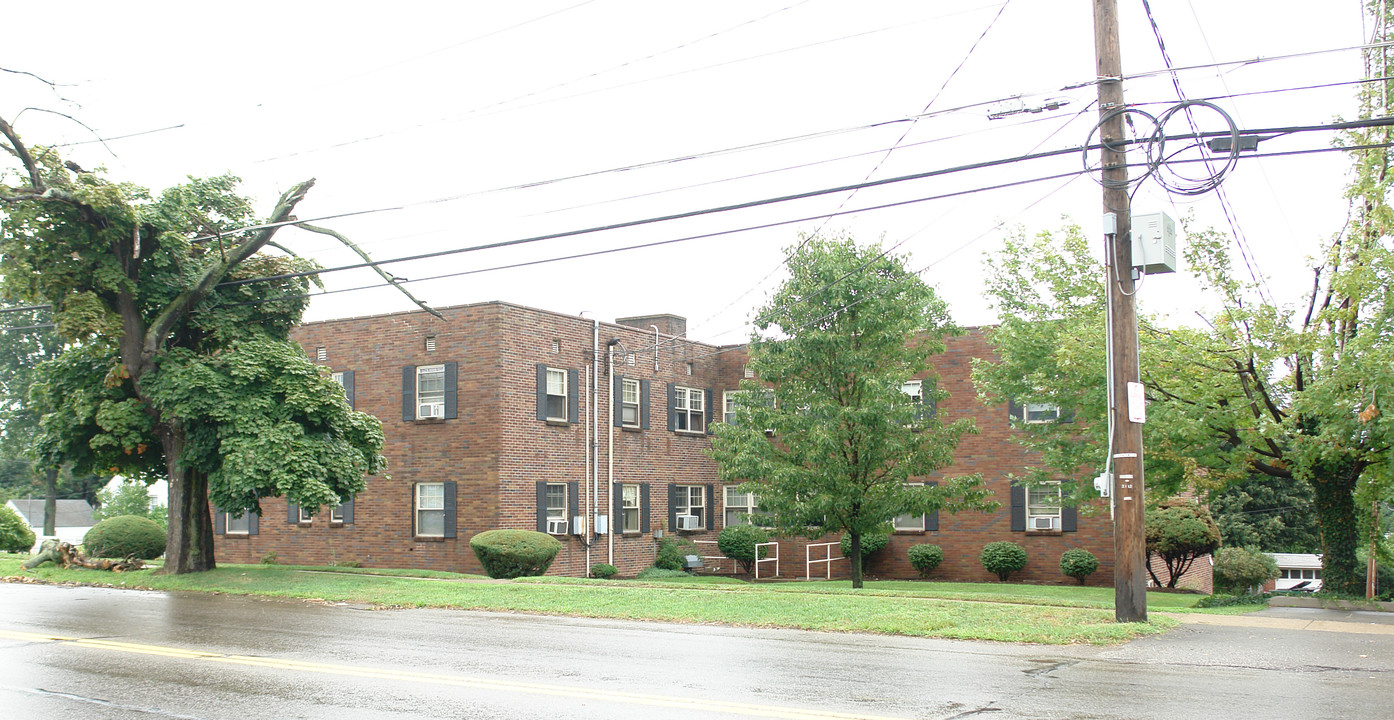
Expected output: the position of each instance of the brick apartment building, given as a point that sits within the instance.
(499, 416)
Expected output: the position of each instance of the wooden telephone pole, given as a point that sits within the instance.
(1129, 540)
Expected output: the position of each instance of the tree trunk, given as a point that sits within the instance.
(1333, 489)
(189, 547)
(51, 502)
(856, 559)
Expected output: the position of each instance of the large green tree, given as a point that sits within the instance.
(841, 441)
(170, 371)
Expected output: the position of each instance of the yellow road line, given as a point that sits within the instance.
(517, 686)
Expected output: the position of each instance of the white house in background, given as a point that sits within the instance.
(158, 490)
(72, 520)
(1296, 569)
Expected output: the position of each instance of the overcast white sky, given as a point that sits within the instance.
(408, 103)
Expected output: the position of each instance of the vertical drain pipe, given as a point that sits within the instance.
(610, 455)
(587, 484)
(593, 439)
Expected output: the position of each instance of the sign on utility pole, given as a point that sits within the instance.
(1129, 541)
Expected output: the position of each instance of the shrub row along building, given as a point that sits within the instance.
(502, 416)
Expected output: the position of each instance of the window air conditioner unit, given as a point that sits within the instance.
(430, 411)
(1042, 523)
(687, 522)
(556, 526)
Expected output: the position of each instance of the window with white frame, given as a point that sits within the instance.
(239, 524)
(430, 509)
(336, 514)
(1301, 574)
(629, 403)
(629, 508)
(692, 500)
(1043, 507)
(690, 406)
(915, 389)
(556, 394)
(338, 378)
(306, 514)
(430, 391)
(729, 402)
(556, 508)
(1037, 413)
(913, 523)
(740, 507)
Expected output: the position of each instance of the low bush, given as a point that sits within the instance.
(604, 571)
(926, 557)
(872, 543)
(1238, 569)
(738, 543)
(658, 573)
(270, 559)
(15, 536)
(672, 552)
(1003, 558)
(125, 536)
(508, 554)
(1218, 601)
(1078, 563)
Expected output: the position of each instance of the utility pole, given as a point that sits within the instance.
(1129, 540)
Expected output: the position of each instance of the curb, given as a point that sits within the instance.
(1329, 603)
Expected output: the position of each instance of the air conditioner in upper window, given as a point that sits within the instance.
(687, 522)
(556, 526)
(1042, 523)
(431, 410)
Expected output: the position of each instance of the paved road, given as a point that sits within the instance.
(97, 653)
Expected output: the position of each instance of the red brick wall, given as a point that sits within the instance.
(497, 450)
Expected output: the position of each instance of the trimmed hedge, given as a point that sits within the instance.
(125, 536)
(738, 543)
(1078, 563)
(508, 554)
(15, 536)
(925, 558)
(604, 571)
(1003, 558)
(872, 543)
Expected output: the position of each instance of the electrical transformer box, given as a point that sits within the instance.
(1154, 243)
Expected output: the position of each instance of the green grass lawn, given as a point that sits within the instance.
(1002, 612)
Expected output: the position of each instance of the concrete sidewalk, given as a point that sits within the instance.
(1291, 618)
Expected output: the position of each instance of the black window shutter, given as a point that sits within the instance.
(253, 522)
(672, 406)
(1018, 508)
(710, 396)
(644, 508)
(573, 393)
(1069, 518)
(541, 391)
(409, 393)
(450, 518)
(452, 396)
(347, 376)
(346, 509)
(541, 506)
(617, 513)
(929, 408)
(573, 502)
(644, 404)
(617, 400)
(219, 521)
(710, 521)
(1014, 410)
(672, 505)
(292, 513)
(931, 520)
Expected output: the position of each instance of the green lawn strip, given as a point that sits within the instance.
(727, 603)
(388, 572)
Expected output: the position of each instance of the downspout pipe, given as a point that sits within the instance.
(610, 454)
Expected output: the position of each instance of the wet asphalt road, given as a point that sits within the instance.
(96, 653)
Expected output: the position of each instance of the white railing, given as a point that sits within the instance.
(759, 559)
(718, 558)
(808, 559)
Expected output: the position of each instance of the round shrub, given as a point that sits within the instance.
(925, 558)
(510, 554)
(125, 536)
(1078, 563)
(738, 543)
(1003, 558)
(604, 571)
(1238, 569)
(872, 543)
(673, 552)
(15, 536)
